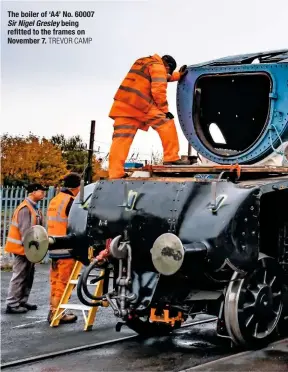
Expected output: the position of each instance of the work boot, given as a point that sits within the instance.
(68, 318)
(125, 175)
(177, 162)
(15, 310)
(29, 306)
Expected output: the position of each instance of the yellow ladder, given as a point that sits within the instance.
(63, 305)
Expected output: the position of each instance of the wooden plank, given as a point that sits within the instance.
(211, 169)
(258, 181)
(216, 169)
(173, 179)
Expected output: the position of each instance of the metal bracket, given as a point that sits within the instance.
(214, 195)
(85, 203)
(129, 198)
(125, 196)
(217, 201)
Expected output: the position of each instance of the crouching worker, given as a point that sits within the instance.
(62, 263)
(27, 214)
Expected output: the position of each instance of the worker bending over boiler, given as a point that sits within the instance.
(141, 102)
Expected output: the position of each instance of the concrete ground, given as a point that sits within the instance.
(185, 348)
(27, 335)
(274, 358)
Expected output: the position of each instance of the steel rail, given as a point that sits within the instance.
(87, 347)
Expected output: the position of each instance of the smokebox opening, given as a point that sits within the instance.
(231, 111)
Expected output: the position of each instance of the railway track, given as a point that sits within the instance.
(64, 352)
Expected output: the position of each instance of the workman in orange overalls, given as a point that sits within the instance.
(141, 102)
(62, 263)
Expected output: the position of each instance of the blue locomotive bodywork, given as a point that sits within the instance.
(248, 102)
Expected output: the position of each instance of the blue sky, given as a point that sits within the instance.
(49, 89)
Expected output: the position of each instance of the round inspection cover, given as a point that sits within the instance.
(36, 243)
(167, 254)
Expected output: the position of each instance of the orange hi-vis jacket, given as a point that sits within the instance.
(57, 220)
(145, 85)
(14, 243)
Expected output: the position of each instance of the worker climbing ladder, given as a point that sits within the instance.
(64, 305)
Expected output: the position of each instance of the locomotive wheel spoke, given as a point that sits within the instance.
(272, 281)
(249, 307)
(265, 277)
(277, 294)
(251, 321)
(256, 327)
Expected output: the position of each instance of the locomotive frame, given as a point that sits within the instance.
(221, 290)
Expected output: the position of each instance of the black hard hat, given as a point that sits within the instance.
(170, 62)
(35, 186)
(72, 180)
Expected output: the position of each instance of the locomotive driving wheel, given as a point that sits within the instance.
(253, 304)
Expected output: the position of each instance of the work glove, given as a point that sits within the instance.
(169, 115)
(183, 71)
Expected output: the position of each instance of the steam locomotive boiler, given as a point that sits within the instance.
(197, 239)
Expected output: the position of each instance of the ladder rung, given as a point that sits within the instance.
(74, 307)
(75, 281)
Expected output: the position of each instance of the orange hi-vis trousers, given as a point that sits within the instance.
(125, 129)
(61, 269)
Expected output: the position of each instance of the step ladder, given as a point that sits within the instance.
(64, 305)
